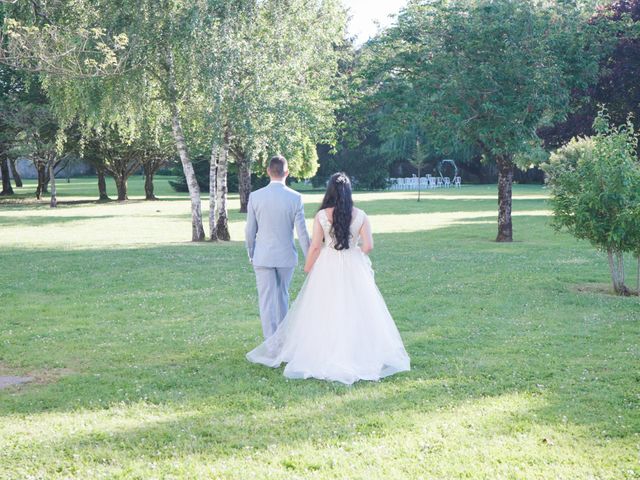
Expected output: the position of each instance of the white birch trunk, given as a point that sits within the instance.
(222, 224)
(197, 230)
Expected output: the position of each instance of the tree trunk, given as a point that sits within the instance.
(16, 175)
(102, 186)
(197, 230)
(148, 184)
(46, 179)
(121, 187)
(40, 189)
(620, 259)
(213, 171)
(7, 189)
(222, 224)
(613, 270)
(54, 193)
(505, 189)
(244, 182)
(616, 266)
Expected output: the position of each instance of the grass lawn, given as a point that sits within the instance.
(136, 338)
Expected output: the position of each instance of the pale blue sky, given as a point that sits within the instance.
(365, 13)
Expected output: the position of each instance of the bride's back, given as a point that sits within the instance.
(325, 217)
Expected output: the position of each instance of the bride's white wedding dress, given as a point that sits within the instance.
(339, 327)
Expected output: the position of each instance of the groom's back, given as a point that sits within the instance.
(274, 208)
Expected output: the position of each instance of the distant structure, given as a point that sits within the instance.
(443, 163)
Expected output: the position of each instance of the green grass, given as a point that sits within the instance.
(137, 339)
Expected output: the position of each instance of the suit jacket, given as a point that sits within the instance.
(272, 214)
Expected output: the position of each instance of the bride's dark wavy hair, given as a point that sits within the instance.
(338, 196)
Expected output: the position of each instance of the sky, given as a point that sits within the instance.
(365, 13)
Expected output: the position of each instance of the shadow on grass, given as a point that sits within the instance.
(229, 405)
(41, 220)
(29, 203)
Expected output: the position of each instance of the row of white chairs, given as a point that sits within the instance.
(428, 182)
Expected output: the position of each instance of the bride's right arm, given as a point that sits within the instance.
(316, 245)
(365, 236)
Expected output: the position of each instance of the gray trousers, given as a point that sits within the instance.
(273, 296)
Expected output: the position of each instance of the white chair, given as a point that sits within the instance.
(457, 182)
(439, 182)
(447, 182)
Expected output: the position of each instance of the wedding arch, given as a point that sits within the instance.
(444, 163)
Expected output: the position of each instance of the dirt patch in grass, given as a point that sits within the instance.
(9, 381)
(12, 377)
(600, 288)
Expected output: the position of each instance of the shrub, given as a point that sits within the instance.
(595, 188)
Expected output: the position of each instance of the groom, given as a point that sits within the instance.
(272, 213)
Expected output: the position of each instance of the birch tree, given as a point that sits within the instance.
(273, 69)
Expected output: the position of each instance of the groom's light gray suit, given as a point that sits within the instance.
(272, 214)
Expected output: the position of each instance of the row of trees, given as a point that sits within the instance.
(503, 80)
(30, 129)
(229, 80)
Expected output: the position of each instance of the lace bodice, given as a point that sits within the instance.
(357, 220)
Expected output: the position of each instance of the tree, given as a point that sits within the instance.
(272, 68)
(418, 161)
(14, 171)
(10, 83)
(595, 192)
(303, 162)
(6, 179)
(152, 158)
(618, 85)
(29, 119)
(91, 152)
(357, 147)
(120, 158)
(484, 74)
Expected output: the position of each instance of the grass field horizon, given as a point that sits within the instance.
(521, 367)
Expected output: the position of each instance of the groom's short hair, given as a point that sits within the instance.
(278, 165)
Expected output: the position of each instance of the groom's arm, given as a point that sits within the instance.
(250, 229)
(301, 228)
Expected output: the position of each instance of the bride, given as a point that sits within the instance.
(339, 327)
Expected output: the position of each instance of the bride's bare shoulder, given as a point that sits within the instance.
(321, 214)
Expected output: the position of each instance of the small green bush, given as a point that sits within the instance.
(595, 188)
